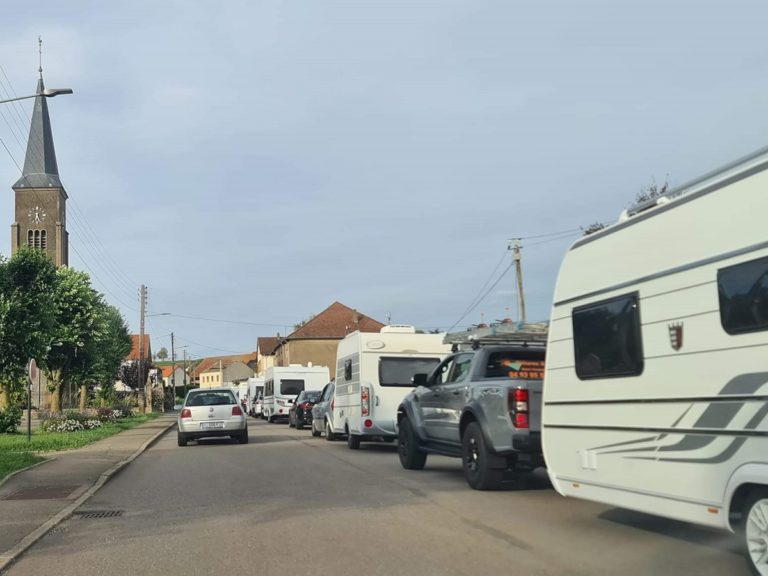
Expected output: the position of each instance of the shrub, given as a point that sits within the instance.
(68, 423)
(10, 418)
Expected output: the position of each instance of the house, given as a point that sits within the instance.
(265, 351)
(208, 364)
(225, 373)
(173, 375)
(316, 340)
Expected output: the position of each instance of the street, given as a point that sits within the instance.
(288, 503)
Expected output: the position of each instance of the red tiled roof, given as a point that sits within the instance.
(265, 345)
(336, 321)
(168, 370)
(134, 354)
(208, 363)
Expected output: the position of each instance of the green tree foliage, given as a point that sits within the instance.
(112, 351)
(26, 316)
(78, 327)
(162, 354)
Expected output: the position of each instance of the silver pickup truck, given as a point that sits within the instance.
(481, 405)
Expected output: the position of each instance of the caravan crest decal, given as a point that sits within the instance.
(676, 336)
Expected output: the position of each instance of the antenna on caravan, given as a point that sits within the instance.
(514, 245)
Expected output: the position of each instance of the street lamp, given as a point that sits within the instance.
(47, 93)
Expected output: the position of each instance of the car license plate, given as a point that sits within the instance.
(211, 425)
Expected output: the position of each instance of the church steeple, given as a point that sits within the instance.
(41, 201)
(40, 167)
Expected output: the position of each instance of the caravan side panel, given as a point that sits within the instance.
(664, 434)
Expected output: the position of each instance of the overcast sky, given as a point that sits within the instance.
(254, 161)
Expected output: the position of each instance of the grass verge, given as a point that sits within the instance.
(12, 461)
(16, 452)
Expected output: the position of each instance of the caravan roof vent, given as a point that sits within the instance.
(398, 329)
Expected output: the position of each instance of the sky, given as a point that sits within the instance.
(251, 162)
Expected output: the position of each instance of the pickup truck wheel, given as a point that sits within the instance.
(411, 458)
(478, 462)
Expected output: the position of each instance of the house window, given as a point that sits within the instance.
(30, 238)
(43, 239)
(743, 291)
(607, 339)
(37, 239)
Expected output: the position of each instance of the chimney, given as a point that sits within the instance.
(355, 316)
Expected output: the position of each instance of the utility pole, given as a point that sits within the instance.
(173, 371)
(185, 373)
(142, 312)
(515, 247)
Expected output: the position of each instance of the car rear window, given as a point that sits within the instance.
(400, 371)
(291, 387)
(515, 366)
(211, 399)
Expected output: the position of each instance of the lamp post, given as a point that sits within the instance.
(47, 93)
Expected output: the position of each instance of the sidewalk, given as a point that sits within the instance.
(35, 500)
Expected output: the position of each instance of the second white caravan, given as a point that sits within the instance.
(283, 383)
(656, 385)
(374, 371)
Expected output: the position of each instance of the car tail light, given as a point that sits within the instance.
(236, 411)
(518, 407)
(369, 423)
(365, 401)
(186, 413)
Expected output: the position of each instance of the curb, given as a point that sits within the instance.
(12, 474)
(10, 557)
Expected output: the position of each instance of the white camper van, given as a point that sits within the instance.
(656, 387)
(283, 383)
(374, 372)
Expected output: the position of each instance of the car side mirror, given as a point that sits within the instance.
(420, 379)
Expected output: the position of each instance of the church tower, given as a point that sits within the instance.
(41, 214)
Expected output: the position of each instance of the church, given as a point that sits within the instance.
(41, 201)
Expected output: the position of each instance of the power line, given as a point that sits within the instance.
(227, 321)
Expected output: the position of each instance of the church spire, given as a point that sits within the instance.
(40, 167)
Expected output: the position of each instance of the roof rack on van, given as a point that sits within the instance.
(529, 334)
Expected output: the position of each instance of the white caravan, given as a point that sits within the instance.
(255, 387)
(283, 383)
(374, 372)
(656, 387)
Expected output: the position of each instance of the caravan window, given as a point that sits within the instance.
(743, 291)
(400, 371)
(606, 338)
(291, 387)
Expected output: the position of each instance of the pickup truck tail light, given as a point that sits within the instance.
(365, 401)
(518, 407)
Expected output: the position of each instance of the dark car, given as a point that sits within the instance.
(322, 412)
(300, 412)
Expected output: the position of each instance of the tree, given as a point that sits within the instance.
(162, 353)
(77, 326)
(113, 349)
(26, 316)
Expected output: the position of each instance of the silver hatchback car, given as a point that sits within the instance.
(211, 412)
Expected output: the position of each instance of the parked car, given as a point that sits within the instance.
(322, 411)
(483, 406)
(211, 412)
(300, 412)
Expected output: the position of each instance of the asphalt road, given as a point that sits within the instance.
(290, 504)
